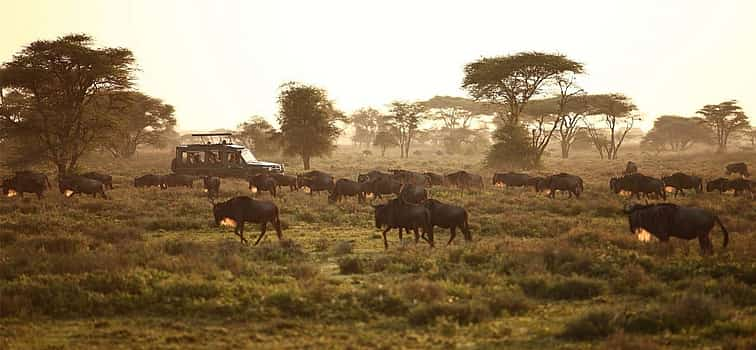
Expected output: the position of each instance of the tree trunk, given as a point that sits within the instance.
(565, 149)
(306, 161)
(383, 151)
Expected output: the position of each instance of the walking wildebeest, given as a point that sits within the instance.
(665, 220)
(680, 181)
(739, 186)
(434, 179)
(534, 181)
(73, 184)
(176, 180)
(263, 182)
(449, 216)
(238, 210)
(382, 185)
(413, 194)
(25, 182)
(316, 181)
(371, 175)
(464, 180)
(638, 183)
(409, 177)
(106, 179)
(346, 188)
(717, 184)
(561, 182)
(511, 179)
(212, 185)
(630, 168)
(396, 214)
(737, 168)
(150, 180)
(285, 180)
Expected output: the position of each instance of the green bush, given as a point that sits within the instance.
(592, 325)
(383, 301)
(464, 313)
(513, 303)
(571, 288)
(350, 265)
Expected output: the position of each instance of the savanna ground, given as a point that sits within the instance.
(148, 269)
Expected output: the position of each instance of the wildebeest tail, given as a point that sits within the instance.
(724, 231)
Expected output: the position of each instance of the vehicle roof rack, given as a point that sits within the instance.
(215, 134)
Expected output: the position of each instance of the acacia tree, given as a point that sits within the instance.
(141, 120)
(456, 115)
(724, 119)
(62, 78)
(676, 133)
(404, 119)
(308, 121)
(258, 135)
(366, 122)
(385, 139)
(615, 119)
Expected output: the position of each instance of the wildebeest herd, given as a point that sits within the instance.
(411, 208)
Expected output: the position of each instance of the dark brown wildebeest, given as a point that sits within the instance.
(238, 210)
(73, 184)
(396, 214)
(638, 183)
(630, 168)
(561, 182)
(176, 180)
(316, 181)
(737, 168)
(434, 179)
(464, 180)
(212, 185)
(449, 216)
(347, 188)
(382, 185)
(409, 177)
(371, 175)
(263, 182)
(106, 179)
(534, 181)
(285, 180)
(740, 186)
(25, 182)
(413, 194)
(717, 184)
(511, 179)
(665, 220)
(681, 181)
(150, 180)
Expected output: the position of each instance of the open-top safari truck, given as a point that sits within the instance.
(216, 155)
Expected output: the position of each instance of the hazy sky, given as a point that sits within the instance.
(219, 62)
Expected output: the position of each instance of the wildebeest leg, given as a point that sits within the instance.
(239, 231)
(705, 242)
(263, 228)
(417, 235)
(453, 233)
(273, 191)
(385, 241)
(39, 195)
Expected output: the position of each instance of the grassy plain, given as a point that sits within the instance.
(147, 269)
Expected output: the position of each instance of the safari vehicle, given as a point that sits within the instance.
(217, 155)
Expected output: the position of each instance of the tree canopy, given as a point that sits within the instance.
(724, 118)
(405, 119)
(141, 120)
(613, 119)
(676, 133)
(258, 135)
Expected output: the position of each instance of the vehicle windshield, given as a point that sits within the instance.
(248, 156)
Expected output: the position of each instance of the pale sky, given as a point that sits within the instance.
(219, 62)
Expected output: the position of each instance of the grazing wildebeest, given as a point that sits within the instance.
(382, 185)
(106, 179)
(561, 182)
(25, 182)
(510, 179)
(212, 185)
(534, 181)
(630, 168)
(176, 180)
(717, 184)
(316, 181)
(413, 194)
(346, 188)
(665, 220)
(238, 210)
(737, 168)
(285, 180)
(449, 216)
(396, 214)
(681, 181)
(150, 180)
(263, 182)
(434, 179)
(464, 180)
(73, 184)
(409, 177)
(739, 186)
(638, 183)
(371, 175)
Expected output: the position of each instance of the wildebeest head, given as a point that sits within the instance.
(614, 185)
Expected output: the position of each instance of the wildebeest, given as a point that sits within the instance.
(681, 181)
(176, 180)
(285, 180)
(717, 184)
(73, 184)
(25, 182)
(740, 186)
(396, 214)
(150, 180)
(449, 216)
(434, 179)
(409, 177)
(413, 194)
(316, 181)
(371, 175)
(561, 182)
(464, 180)
(382, 185)
(263, 182)
(238, 210)
(534, 181)
(511, 179)
(346, 188)
(106, 179)
(630, 168)
(737, 168)
(212, 185)
(665, 220)
(638, 183)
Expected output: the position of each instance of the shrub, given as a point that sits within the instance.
(684, 312)
(304, 271)
(513, 303)
(383, 301)
(342, 248)
(571, 288)
(350, 265)
(423, 290)
(622, 341)
(289, 303)
(592, 325)
(464, 313)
